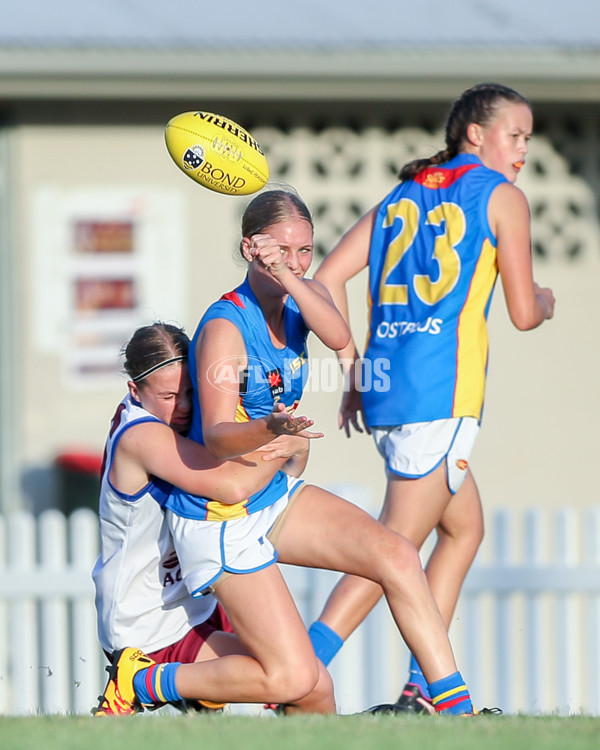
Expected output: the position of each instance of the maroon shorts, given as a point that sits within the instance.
(186, 650)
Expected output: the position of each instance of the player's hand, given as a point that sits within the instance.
(350, 410)
(285, 446)
(267, 251)
(546, 299)
(281, 422)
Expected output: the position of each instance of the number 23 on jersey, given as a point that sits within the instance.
(430, 288)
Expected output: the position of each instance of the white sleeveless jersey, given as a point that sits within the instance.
(141, 600)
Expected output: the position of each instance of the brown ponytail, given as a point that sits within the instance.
(477, 104)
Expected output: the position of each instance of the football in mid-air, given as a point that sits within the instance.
(217, 153)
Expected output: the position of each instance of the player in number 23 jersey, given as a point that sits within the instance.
(429, 309)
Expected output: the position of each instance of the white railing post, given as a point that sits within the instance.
(4, 631)
(592, 629)
(87, 659)
(567, 641)
(535, 643)
(54, 620)
(502, 641)
(23, 630)
(472, 642)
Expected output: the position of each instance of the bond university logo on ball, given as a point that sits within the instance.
(193, 158)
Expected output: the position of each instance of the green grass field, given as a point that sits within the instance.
(220, 732)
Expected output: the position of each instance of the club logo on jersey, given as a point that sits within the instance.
(172, 570)
(171, 561)
(435, 178)
(193, 157)
(258, 375)
(275, 383)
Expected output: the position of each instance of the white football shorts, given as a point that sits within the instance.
(414, 450)
(208, 550)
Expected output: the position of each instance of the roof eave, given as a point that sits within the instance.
(545, 73)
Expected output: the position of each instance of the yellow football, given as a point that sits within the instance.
(217, 153)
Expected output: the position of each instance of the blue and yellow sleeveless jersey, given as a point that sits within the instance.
(432, 271)
(271, 375)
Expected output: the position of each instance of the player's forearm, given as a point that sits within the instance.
(320, 314)
(228, 440)
(296, 464)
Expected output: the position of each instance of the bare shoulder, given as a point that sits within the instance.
(218, 325)
(145, 436)
(508, 194)
(138, 449)
(508, 203)
(219, 333)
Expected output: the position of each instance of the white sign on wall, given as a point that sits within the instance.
(104, 262)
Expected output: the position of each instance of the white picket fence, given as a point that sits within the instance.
(525, 633)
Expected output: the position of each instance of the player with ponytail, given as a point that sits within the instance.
(434, 247)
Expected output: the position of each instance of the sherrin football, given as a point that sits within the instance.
(217, 153)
